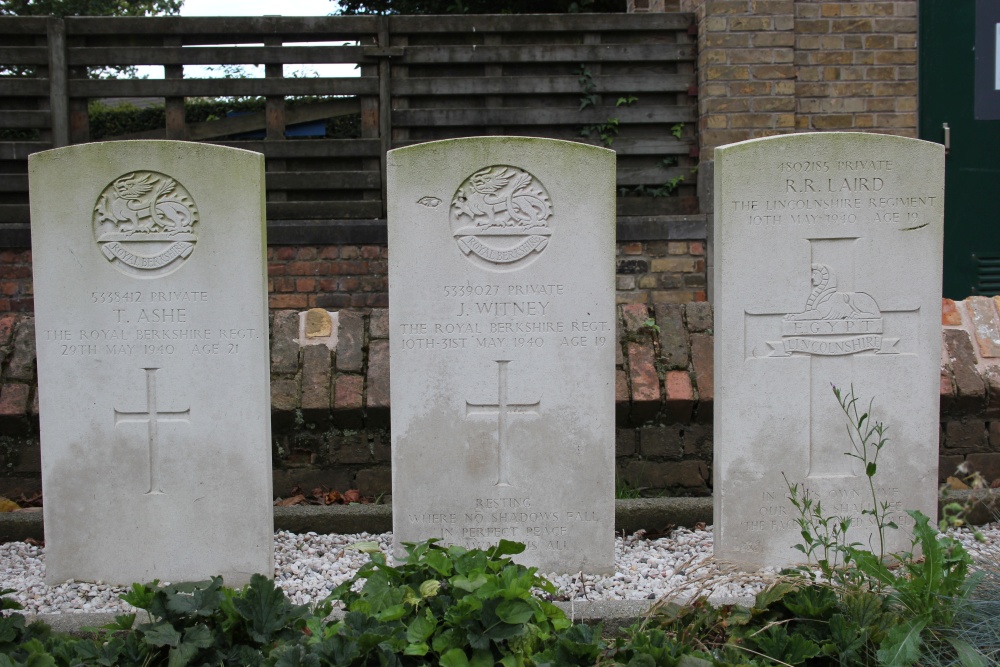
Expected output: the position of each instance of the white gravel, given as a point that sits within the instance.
(309, 566)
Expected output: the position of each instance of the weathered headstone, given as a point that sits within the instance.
(151, 325)
(502, 331)
(827, 271)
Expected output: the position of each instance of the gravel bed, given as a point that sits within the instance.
(309, 566)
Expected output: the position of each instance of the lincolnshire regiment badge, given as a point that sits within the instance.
(834, 322)
(144, 223)
(500, 218)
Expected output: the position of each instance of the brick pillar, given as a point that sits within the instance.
(746, 71)
(857, 66)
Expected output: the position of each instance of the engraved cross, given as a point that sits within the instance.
(832, 328)
(503, 409)
(152, 417)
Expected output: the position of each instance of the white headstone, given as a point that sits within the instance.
(151, 325)
(502, 333)
(827, 272)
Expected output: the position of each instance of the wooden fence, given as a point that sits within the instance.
(420, 78)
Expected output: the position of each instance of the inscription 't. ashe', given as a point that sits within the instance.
(144, 224)
(500, 218)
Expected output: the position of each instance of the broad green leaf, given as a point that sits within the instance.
(901, 646)
(393, 613)
(365, 547)
(515, 611)
(421, 628)
(506, 548)
(416, 649)
(468, 583)
(454, 658)
(481, 658)
(265, 608)
(438, 559)
(161, 634)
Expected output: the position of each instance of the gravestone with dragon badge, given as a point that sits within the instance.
(827, 272)
(151, 329)
(502, 334)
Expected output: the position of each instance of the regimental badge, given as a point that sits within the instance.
(144, 223)
(500, 218)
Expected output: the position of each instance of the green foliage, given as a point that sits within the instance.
(89, 7)
(478, 6)
(108, 121)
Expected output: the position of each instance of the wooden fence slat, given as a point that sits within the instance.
(559, 23)
(20, 150)
(15, 213)
(311, 210)
(213, 55)
(14, 183)
(306, 148)
(667, 145)
(25, 119)
(538, 85)
(540, 116)
(323, 180)
(628, 206)
(24, 55)
(222, 87)
(23, 25)
(650, 175)
(531, 53)
(10, 87)
(227, 28)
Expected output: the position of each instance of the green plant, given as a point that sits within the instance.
(444, 605)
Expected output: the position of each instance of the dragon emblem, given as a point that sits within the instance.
(500, 216)
(144, 223)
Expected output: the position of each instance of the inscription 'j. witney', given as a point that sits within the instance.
(503, 409)
(151, 416)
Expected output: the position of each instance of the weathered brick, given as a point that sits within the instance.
(644, 382)
(350, 448)
(674, 348)
(14, 399)
(621, 396)
(350, 341)
(661, 441)
(284, 394)
(727, 72)
(634, 317)
(22, 360)
(948, 465)
(348, 399)
(832, 121)
(7, 325)
(680, 397)
(991, 376)
(625, 441)
(985, 324)
(378, 375)
(285, 342)
(378, 324)
(698, 316)
(631, 266)
(773, 71)
(691, 476)
(967, 435)
(969, 387)
(316, 378)
(994, 435)
(986, 464)
(703, 363)
(374, 482)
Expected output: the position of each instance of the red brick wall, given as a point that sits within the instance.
(16, 295)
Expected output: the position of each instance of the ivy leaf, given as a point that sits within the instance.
(264, 606)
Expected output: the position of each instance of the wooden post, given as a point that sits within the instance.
(174, 106)
(274, 117)
(58, 88)
(370, 124)
(384, 107)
